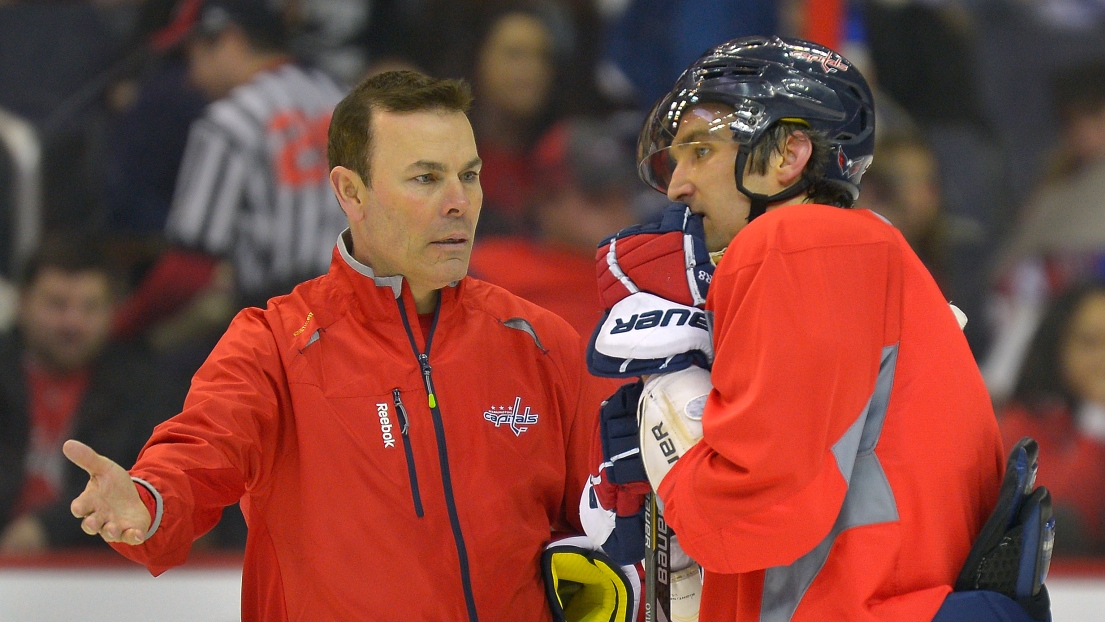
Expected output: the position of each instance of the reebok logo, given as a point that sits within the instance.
(518, 421)
(658, 317)
(385, 425)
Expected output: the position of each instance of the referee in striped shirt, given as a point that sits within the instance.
(253, 190)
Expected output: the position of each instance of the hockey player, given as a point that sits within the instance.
(849, 455)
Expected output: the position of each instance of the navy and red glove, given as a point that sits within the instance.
(653, 280)
(612, 508)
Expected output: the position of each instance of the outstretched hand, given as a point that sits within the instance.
(109, 505)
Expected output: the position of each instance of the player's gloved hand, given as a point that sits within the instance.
(619, 436)
(668, 259)
(612, 506)
(653, 280)
(644, 334)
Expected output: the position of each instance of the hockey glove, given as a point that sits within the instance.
(668, 259)
(584, 585)
(644, 334)
(1013, 552)
(653, 280)
(612, 507)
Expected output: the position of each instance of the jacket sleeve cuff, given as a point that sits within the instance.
(154, 503)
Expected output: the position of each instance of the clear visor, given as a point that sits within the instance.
(681, 124)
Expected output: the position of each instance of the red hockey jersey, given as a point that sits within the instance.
(850, 452)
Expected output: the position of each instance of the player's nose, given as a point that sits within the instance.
(680, 187)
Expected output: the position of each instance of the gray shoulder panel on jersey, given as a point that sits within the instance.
(869, 499)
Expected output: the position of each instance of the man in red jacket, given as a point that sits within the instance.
(404, 439)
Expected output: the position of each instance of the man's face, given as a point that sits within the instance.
(516, 65)
(1085, 135)
(704, 155)
(425, 197)
(66, 317)
(1083, 353)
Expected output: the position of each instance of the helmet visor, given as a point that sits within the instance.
(679, 125)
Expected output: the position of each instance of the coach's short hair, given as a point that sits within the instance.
(349, 143)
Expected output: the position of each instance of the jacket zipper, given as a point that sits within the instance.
(442, 454)
(404, 429)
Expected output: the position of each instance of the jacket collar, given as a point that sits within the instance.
(345, 242)
(371, 299)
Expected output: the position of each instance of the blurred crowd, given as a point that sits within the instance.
(183, 177)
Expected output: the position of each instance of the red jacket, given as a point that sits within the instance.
(350, 518)
(850, 453)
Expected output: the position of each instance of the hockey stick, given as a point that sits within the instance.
(657, 597)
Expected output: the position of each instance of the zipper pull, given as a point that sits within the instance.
(424, 362)
(401, 412)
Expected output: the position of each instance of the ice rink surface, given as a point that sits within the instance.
(208, 589)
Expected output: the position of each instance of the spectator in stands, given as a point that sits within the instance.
(252, 190)
(62, 378)
(1059, 400)
(513, 77)
(1079, 92)
(146, 143)
(52, 56)
(588, 184)
(903, 185)
(1060, 237)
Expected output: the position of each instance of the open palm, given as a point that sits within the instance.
(109, 505)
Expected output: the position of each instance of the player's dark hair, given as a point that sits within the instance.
(350, 138)
(774, 140)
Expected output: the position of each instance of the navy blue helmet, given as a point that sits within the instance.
(764, 80)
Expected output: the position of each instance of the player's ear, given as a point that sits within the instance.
(796, 153)
(350, 191)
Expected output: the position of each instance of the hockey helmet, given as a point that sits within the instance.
(764, 80)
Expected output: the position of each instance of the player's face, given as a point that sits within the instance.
(66, 317)
(704, 155)
(424, 198)
(1083, 353)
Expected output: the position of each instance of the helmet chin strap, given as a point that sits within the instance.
(761, 201)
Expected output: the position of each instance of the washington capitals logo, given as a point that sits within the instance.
(852, 169)
(519, 421)
(830, 63)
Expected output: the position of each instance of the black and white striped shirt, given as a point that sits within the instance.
(253, 185)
